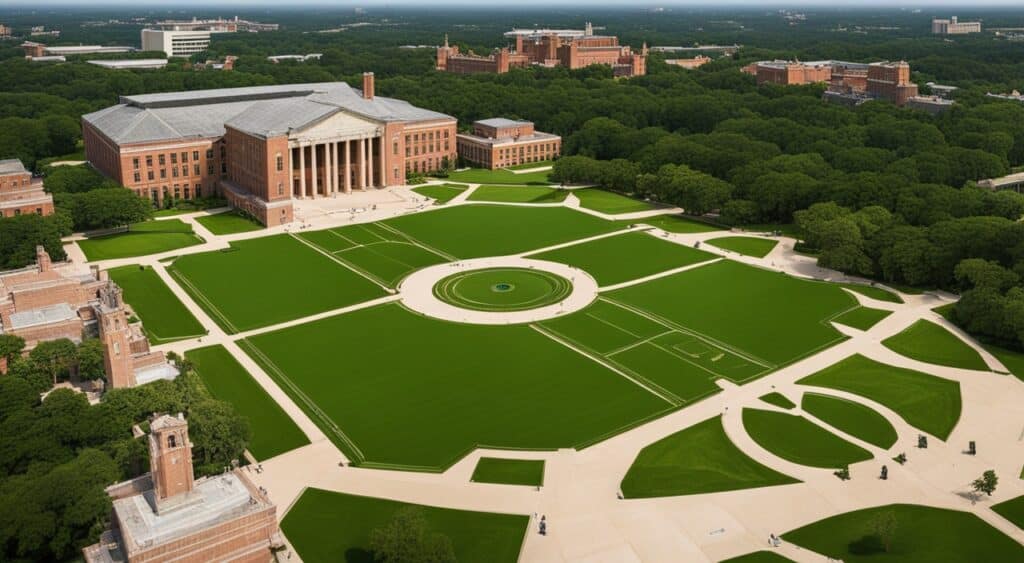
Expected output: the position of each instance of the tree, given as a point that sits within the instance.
(978, 273)
(219, 435)
(406, 538)
(883, 526)
(11, 346)
(55, 356)
(90, 359)
(986, 483)
(104, 208)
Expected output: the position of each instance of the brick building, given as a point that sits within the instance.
(954, 27)
(20, 192)
(262, 147)
(48, 301)
(548, 47)
(790, 73)
(167, 515)
(849, 83)
(499, 143)
(891, 81)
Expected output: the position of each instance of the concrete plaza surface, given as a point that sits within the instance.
(587, 522)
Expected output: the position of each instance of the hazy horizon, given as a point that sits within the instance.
(348, 4)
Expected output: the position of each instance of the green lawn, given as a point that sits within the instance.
(945, 310)
(630, 256)
(473, 231)
(931, 343)
(609, 202)
(799, 440)
(758, 557)
(500, 176)
(699, 459)
(273, 431)
(926, 402)
(329, 527)
(531, 165)
(862, 318)
(509, 471)
(778, 399)
(672, 224)
(164, 317)
(766, 315)
(519, 194)
(234, 285)
(396, 389)
(853, 418)
(923, 535)
(229, 222)
(1012, 510)
(440, 193)
(873, 292)
(151, 237)
(1012, 359)
(749, 246)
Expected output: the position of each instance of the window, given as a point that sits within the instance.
(394, 148)
(280, 162)
(184, 170)
(161, 160)
(195, 155)
(184, 157)
(174, 158)
(209, 169)
(280, 188)
(171, 442)
(174, 171)
(408, 150)
(149, 175)
(186, 191)
(209, 153)
(135, 163)
(163, 173)
(149, 161)
(195, 169)
(138, 177)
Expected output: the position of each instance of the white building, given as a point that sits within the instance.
(175, 43)
(954, 27)
(128, 64)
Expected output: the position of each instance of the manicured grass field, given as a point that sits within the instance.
(273, 431)
(862, 318)
(923, 535)
(472, 231)
(500, 176)
(519, 194)
(329, 527)
(926, 402)
(440, 193)
(609, 202)
(853, 418)
(799, 440)
(531, 165)
(509, 471)
(232, 285)
(626, 257)
(376, 251)
(758, 557)
(396, 389)
(699, 459)
(929, 342)
(1011, 359)
(151, 237)
(749, 246)
(778, 399)
(502, 289)
(873, 292)
(672, 224)
(1012, 510)
(766, 315)
(164, 317)
(229, 222)
(678, 364)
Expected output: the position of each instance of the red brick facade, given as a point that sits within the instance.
(20, 193)
(502, 143)
(550, 50)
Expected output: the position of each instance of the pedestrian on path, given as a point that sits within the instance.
(543, 525)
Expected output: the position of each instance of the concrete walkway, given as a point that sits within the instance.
(587, 520)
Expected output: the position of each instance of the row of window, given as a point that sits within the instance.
(38, 211)
(163, 157)
(179, 191)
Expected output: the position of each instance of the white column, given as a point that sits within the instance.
(348, 169)
(312, 150)
(328, 169)
(302, 171)
(291, 174)
(362, 164)
(369, 161)
(383, 162)
(334, 168)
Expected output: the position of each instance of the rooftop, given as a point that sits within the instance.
(500, 122)
(131, 63)
(537, 136)
(43, 316)
(12, 166)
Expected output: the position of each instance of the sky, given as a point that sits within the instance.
(552, 3)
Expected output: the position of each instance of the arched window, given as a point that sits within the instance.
(172, 441)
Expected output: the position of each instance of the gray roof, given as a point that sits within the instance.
(12, 166)
(259, 110)
(43, 316)
(499, 122)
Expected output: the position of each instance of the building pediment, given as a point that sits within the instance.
(338, 126)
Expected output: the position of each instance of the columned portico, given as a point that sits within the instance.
(341, 153)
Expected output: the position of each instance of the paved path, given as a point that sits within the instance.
(587, 520)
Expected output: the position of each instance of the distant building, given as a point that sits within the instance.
(36, 50)
(49, 301)
(5, 31)
(167, 515)
(262, 147)
(941, 90)
(20, 192)
(227, 63)
(689, 64)
(298, 58)
(954, 27)
(570, 48)
(499, 143)
(219, 25)
(930, 104)
(175, 43)
(891, 81)
(130, 64)
(1013, 96)
(1013, 182)
(790, 73)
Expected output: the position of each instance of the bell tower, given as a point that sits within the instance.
(170, 460)
(114, 332)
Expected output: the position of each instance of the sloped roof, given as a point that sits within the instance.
(259, 110)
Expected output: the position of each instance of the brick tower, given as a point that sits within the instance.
(114, 332)
(170, 460)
